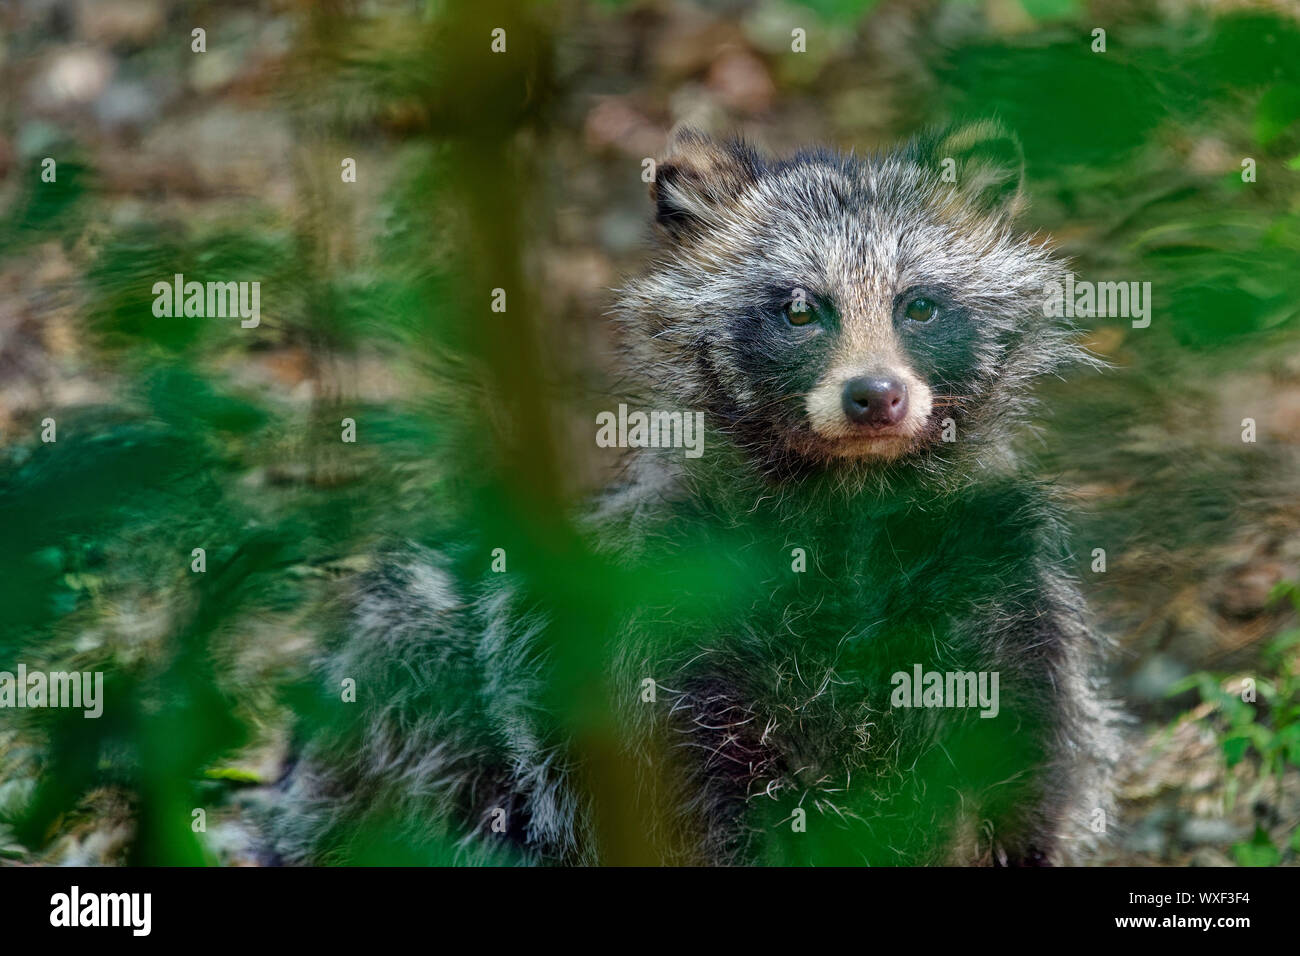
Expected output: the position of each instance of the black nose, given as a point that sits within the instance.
(875, 400)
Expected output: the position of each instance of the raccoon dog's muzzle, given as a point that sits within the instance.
(880, 410)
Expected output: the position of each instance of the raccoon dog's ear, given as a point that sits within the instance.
(698, 179)
(986, 163)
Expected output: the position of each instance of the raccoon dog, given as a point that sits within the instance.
(903, 672)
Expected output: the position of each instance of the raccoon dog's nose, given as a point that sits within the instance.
(875, 400)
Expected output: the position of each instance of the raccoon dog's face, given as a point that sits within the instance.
(844, 310)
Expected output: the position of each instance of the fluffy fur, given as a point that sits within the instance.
(925, 544)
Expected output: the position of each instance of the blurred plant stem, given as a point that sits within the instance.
(481, 107)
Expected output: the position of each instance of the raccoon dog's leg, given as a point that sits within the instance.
(442, 751)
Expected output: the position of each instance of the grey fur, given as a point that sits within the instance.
(943, 550)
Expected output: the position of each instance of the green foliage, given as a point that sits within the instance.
(1262, 729)
(46, 210)
(1051, 9)
(839, 10)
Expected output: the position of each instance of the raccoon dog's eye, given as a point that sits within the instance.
(800, 312)
(921, 310)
